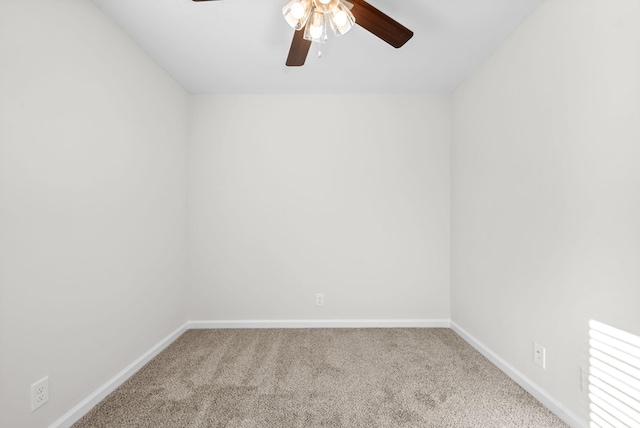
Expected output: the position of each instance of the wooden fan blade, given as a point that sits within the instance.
(299, 49)
(379, 24)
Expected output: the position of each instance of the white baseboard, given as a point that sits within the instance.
(442, 323)
(87, 404)
(538, 393)
(82, 408)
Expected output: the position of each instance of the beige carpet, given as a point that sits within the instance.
(320, 378)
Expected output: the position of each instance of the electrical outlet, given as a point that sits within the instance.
(584, 380)
(539, 355)
(39, 393)
(319, 299)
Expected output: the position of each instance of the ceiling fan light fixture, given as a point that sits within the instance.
(316, 29)
(297, 13)
(341, 19)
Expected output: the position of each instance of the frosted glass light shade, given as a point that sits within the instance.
(341, 19)
(297, 13)
(316, 30)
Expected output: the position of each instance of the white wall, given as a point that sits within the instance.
(92, 204)
(546, 189)
(338, 194)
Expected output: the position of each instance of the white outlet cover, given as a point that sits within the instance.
(39, 393)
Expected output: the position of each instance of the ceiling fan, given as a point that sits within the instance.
(365, 15)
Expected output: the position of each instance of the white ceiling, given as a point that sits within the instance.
(240, 46)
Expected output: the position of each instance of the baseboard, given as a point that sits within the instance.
(82, 408)
(538, 393)
(551, 403)
(417, 323)
(87, 404)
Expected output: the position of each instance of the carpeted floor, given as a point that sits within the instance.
(320, 378)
